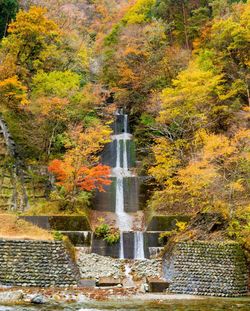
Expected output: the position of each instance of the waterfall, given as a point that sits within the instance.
(139, 245)
(121, 170)
(121, 250)
(118, 154)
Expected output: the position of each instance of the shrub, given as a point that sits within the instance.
(163, 237)
(113, 236)
(109, 234)
(181, 225)
(58, 236)
(102, 230)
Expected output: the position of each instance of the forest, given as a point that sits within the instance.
(179, 68)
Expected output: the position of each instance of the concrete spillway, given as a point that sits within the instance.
(122, 197)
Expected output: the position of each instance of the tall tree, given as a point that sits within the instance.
(8, 10)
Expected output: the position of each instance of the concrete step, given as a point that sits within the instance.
(108, 282)
(87, 283)
(157, 285)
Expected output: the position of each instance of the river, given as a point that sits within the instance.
(206, 304)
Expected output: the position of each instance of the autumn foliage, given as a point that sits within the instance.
(79, 169)
(84, 178)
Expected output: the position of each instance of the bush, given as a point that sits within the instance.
(109, 234)
(113, 236)
(163, 237)
(102, 230)
(181, 225)
(58, 236)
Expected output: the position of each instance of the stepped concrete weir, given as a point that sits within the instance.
(122, 197)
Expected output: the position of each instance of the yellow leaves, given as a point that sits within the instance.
(139, 12)
(33, 22)
(217, 147)
(242, 137)
(197, 176)
(127, 74)
(85, 144)
(166, 161)
(237, 186)
(133, 51)
(193, 92)
(181, 225)
(13, 92)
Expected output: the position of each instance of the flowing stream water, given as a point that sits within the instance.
(139, 245)
(121, 171)
(204, 304)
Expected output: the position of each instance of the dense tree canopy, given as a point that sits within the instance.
(180, 68)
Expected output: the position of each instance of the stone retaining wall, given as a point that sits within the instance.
(217, 269)
(36, 263)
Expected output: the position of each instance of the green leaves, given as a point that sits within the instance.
(8, 10)
(56, 83)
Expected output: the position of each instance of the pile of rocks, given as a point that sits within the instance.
(96, 266)
(147, 268)
(93, 266)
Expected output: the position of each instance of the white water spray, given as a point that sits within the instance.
(121, 171)
(139, 245)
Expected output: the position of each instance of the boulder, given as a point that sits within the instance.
(38, 299)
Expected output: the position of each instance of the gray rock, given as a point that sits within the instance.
(38, 299)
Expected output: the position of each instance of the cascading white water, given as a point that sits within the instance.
(121, 250)
(139, 245)
(121, 170)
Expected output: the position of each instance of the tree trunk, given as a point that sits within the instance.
(185, 25)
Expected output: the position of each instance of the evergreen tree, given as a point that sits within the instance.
(8, 10)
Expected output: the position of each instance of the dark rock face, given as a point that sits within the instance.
(36, 263)
(105, 201)
(202, 268)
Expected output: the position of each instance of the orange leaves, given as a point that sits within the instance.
(78, 169)
(52, 107)
(94, 178)
(87, 179)
(61, 169)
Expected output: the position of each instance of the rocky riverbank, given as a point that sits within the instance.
(37, 296)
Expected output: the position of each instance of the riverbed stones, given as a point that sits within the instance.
(11, 296)
(30, 263)
(93, 266)
(147, 268)
(205, 268)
